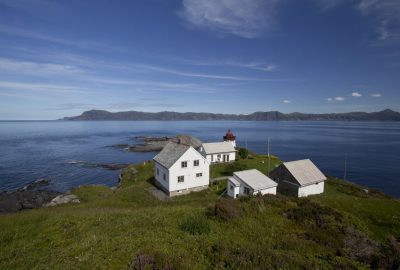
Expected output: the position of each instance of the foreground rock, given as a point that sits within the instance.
(63, 199)
(155, 144)
(29, 197)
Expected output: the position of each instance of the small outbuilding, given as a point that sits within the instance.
(217, 152)
(299, 178)
(250, 182)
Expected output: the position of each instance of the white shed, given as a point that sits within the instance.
(180, 169)
(250, 182)
(299, 178)
(218, 152)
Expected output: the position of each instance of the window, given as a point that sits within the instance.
(196, 163)
(246, 190)
(158, 171)
(164, 176)
(227, 158)
(181, 179)
(199, 174)
(184, 164)
(231, 187)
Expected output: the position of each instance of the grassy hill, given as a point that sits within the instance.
(344, 228)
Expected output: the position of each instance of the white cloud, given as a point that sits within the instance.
(248, 19)
(376, 95)
(356, 94)
(386, 13)
(286, 101)
(262, 66)
(35, 68)
(339, 98)
(329, 99)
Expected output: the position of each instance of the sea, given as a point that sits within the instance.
(64, 151)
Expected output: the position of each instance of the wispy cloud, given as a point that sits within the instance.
(41, 87)
(286, 101)
(118, 106)
(356, 94)
(248, 19)
(339, 98)
(35, 68)
(262, 66)
(384, 12)
(376, 95)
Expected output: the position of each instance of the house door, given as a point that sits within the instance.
(224, 158)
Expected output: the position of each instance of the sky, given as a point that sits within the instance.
(60, 58)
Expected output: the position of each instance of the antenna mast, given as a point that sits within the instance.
(345, 167)
(269, 156)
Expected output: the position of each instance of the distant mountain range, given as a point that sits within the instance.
(101, 115)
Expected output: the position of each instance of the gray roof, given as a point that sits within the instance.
(218, 147)
(234, 181)
(305, 172)
(170, 154)
(255, 179)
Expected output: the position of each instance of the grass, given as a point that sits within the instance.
(259, 162)
(110, 229)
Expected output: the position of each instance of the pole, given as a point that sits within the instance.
(269, 157)
(345, 167)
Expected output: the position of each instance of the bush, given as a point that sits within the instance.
(243, 153)
(195, 224)
(224, 209)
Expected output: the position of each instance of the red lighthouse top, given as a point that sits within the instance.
(229, 136)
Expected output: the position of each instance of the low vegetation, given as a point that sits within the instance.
(347, 227)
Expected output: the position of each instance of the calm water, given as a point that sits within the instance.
(50, 149)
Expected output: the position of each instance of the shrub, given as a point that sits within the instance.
(142, 262)
(195, 224)
(243, 153)
(224, 209)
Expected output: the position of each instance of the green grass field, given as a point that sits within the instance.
(128, 228)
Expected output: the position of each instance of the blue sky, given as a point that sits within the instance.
(60, 58)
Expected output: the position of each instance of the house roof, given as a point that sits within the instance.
(234, 181)
(170, 154)
(218, 147)
(255, 179)
(304, 171)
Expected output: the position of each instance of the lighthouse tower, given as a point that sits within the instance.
(229, 137)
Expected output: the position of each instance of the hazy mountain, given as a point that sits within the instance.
(385, 115)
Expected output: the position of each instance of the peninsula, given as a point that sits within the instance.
(101, 115)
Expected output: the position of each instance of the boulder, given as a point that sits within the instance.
(63, 199)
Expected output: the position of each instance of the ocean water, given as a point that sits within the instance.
(56, 150)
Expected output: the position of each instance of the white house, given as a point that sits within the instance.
(299, 178)
(218, 152)
(180, 169)
(250, 182)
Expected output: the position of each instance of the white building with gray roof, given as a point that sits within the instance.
(250, 182)
(180, 169)
(216, 152)
(299, 178)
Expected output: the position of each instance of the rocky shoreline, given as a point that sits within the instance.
(33, 195)
(155, 144)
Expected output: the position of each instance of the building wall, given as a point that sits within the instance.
(159, 177)
(232, 157)
(189, 173)
(234, 192)
(313, 189)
